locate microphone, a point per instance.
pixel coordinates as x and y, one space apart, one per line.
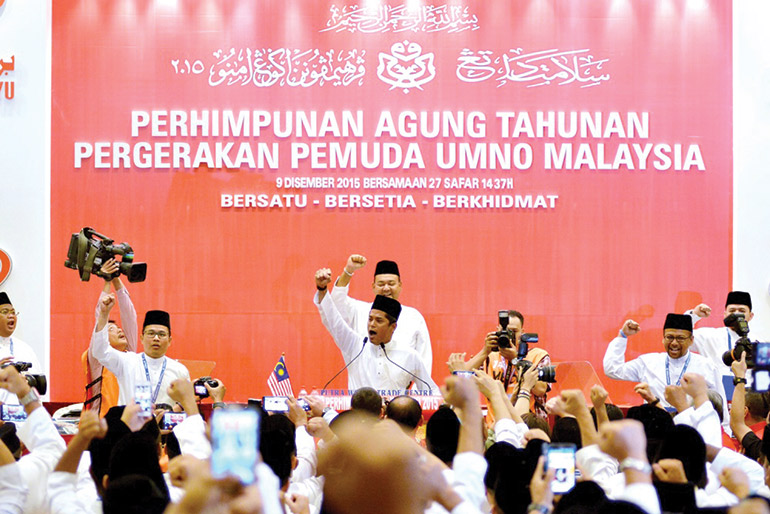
366 339
382 345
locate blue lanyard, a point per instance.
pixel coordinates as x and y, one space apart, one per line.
160 378
729 343
11 340
686 363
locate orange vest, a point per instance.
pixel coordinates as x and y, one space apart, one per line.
109 386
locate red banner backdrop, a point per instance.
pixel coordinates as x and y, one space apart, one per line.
568 159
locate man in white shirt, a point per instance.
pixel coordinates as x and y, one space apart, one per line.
661 369
13 349
373 361
412 330
713 342
152 367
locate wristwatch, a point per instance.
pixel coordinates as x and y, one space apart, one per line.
30 397
635 464
739 380
539 508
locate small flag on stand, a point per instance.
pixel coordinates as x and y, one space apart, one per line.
279 382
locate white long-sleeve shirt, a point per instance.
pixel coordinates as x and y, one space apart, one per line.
46 447
411 330
13 491
705 420
129 369
372 368
659 370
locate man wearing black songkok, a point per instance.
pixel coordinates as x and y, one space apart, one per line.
151 367
373 360
665 368
712 342
412 331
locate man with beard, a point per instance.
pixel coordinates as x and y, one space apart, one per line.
665 368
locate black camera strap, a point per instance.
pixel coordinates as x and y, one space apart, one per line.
508 373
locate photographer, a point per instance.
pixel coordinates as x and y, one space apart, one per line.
712 342
13 349
101 385
500 363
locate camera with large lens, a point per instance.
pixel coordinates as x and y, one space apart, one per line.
544 374
199 386
89 250
737 322
39 382
505 335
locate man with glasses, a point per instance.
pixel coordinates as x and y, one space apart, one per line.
13 349
152 366
661 369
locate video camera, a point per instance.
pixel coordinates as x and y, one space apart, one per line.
39 382
757 354
89 250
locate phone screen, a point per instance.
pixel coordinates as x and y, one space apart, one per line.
275 403
143 396
13 413
172 419
460 373
303 403
762 355
234 438
561 458
760 380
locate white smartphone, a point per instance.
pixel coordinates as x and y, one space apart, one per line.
235 443
143 396
275 403
561 458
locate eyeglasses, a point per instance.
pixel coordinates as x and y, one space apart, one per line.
9 312
152 334
678 339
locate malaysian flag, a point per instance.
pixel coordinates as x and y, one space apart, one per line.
279 382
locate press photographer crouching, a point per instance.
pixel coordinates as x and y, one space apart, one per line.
507 355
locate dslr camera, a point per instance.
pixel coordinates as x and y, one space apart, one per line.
546 373
89 250
505 335
757 354
39 382
199 386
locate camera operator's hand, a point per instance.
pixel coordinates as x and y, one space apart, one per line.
630 327
530 378
355 263
739 367
109 267
217 394
296 414
12 381
181 390
702 311
490 343
676 396
456 362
